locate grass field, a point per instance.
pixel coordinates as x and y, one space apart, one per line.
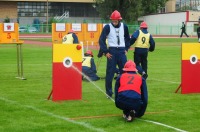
25 108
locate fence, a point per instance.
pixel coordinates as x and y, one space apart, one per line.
153 29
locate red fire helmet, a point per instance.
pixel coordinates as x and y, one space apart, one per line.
115 16
89 52
129 66
143 25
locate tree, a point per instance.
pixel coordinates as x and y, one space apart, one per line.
6 20
152 6
130 9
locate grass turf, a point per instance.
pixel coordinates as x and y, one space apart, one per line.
24 106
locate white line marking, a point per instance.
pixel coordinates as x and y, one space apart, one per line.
164 81
156 80
157 123
54 115
92 128
100 89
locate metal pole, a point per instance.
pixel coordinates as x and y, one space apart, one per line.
47 28
18 69
21 59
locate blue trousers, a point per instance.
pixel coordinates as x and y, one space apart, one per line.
130 100
141 59
90 73
118 59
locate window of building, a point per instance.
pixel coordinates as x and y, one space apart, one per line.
33 9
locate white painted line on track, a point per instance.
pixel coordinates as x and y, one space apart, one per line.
154 79
157 123
92 82
89 126
164 81
80 123
160 124
86 125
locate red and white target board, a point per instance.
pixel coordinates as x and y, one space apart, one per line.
9 33
190 68
67 68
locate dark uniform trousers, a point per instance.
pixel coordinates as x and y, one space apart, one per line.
118 58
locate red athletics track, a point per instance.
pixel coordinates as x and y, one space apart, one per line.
31 39
49 36
40 36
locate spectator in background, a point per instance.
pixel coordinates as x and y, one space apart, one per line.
198 31
183 30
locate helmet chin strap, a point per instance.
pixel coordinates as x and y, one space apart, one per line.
118 25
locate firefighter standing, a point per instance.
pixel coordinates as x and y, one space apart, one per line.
131 94
70 38
143 42
89 67
118 38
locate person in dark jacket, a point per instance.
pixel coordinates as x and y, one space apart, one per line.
118 38
183 30
70 38
89 67
198 31
143 43
131 93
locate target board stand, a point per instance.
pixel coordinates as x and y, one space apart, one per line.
9 35
67 69
190 68
67 66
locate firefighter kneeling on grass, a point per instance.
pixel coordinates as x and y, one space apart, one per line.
131 92
89 67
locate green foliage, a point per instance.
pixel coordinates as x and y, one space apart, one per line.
129 9
52 20
152 6
6 20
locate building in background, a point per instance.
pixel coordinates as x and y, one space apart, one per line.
170 6
183 5
180 5
170 23
25 11
168 20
